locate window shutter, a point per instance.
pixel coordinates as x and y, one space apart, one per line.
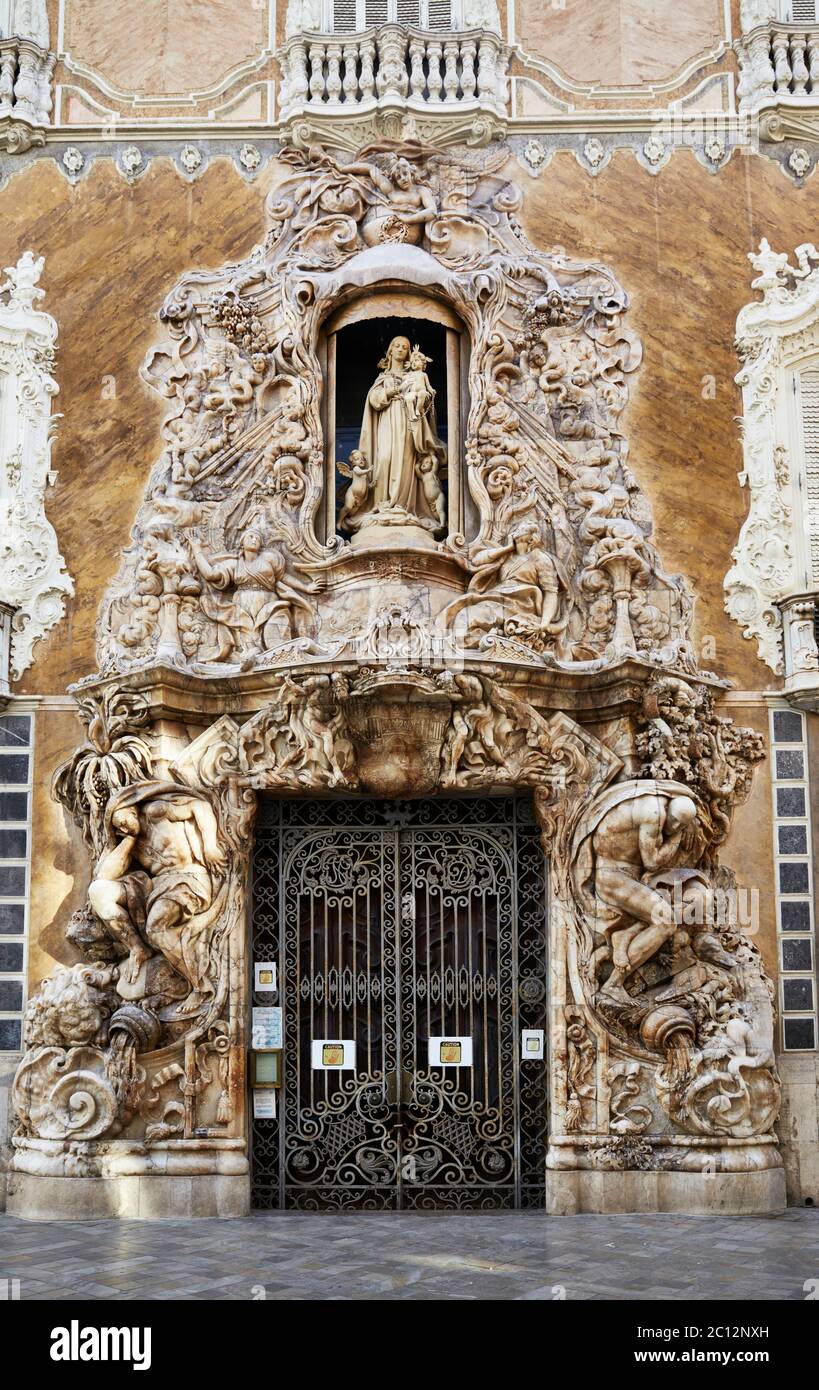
344 17
408 12
809 401
440 14
802 11
375 12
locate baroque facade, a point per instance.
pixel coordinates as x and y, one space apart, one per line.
371 664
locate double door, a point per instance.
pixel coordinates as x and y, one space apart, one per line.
411 950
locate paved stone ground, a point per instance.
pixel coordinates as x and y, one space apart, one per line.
512 1255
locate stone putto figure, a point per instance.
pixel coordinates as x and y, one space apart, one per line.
400 448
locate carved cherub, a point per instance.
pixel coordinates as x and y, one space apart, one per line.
359 470
418 391
427 470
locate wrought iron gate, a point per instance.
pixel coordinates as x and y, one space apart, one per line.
394 923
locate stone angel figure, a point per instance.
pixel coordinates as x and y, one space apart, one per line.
257 613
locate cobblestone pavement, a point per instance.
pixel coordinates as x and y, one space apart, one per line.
512 1255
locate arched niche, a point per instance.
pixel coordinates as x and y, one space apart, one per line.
373 317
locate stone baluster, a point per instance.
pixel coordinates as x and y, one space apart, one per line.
26 87
333 81
813 61
367 78
798 65
434 53
45 88
316 72
8 69
502 81
782 68
487 71
417 79
469 79
392 76
756 82
451 82
350 81
296 87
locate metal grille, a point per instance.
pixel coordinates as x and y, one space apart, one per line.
393 923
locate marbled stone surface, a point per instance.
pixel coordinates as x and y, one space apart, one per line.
506 1256
624 41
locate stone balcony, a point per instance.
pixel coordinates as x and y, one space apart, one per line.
800 623
25 93
779 78
396 81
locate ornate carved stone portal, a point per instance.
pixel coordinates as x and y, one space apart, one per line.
247 647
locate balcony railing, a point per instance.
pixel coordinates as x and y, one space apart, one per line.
800 621
778 61
354 74
25 83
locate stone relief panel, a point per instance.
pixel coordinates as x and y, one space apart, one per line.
229 566
33 578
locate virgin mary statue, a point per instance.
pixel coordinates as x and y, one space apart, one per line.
396 470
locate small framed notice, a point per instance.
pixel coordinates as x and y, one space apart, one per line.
532 1044
333 1054
265 979
266 1028
450 1052
264 1105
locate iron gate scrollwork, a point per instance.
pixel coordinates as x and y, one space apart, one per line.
393 923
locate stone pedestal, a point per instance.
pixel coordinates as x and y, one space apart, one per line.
572 1191
132 1197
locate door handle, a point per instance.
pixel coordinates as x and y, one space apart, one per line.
398 1086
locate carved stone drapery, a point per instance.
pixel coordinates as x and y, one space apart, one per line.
33 579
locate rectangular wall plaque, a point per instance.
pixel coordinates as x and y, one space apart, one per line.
264 1105
266 1028
532 1045
450 1052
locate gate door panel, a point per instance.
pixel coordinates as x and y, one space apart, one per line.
416 933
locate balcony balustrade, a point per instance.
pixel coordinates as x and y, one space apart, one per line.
357 74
